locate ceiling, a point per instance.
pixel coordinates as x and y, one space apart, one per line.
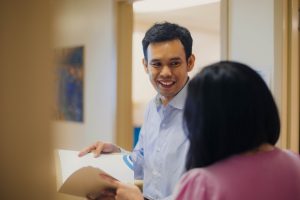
204 17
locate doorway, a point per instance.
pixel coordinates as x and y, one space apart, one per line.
203 21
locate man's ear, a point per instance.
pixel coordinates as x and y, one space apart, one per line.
191 63
145 65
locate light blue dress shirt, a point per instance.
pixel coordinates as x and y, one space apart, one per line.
160 154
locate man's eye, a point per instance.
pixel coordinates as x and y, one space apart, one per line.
175 64
155 64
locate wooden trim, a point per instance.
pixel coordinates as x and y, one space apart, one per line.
286 73
124 128
224 29
280 66
294 76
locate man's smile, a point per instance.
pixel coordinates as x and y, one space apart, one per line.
166 84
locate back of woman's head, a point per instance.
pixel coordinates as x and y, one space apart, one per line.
229 110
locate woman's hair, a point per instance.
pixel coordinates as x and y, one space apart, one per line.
229 110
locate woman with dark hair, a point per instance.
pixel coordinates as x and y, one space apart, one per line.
233 124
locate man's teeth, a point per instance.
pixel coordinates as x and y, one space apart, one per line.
166 83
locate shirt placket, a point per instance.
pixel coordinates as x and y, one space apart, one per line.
161 142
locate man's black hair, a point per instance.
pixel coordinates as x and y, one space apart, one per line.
161 32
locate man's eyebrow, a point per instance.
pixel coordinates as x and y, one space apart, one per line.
175 59
159 60
155 60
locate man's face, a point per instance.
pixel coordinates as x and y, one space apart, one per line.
167 67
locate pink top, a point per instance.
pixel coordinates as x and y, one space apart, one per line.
272 175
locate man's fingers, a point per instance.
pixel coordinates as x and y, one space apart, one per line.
86 150
98 149
106 194
110 180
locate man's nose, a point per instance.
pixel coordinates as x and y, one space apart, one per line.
165 71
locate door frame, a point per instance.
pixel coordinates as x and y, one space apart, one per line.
286 65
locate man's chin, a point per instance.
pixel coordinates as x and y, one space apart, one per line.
166 97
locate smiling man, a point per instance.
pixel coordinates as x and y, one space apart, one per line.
167 67
159 156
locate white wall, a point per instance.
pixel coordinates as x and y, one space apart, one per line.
91 24
251 38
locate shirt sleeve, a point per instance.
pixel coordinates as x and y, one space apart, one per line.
192 185
137 157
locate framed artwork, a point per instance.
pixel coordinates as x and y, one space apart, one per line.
69 81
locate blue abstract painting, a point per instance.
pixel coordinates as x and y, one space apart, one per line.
70 79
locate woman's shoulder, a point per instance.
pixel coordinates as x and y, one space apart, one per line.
198 183
291 158
192 185
198 178
291 154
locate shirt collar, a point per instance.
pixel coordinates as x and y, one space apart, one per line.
178 101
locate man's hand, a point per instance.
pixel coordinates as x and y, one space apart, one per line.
124 191
98 148
107 194
128 192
